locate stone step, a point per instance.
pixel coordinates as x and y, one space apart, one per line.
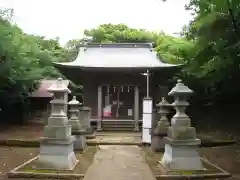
118 122
117 125
118 129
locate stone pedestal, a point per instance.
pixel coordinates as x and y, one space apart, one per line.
84 115
56 154
181 144
181 155
77 128
56 147
161 128
80 143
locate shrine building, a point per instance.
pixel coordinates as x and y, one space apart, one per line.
114 79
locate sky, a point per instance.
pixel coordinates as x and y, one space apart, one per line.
67 19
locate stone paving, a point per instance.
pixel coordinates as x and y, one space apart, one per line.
119 163
117 138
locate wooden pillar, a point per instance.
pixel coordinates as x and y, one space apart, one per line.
136 108
99 121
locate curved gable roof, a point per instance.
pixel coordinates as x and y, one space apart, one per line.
117 55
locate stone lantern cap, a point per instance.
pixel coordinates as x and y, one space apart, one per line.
180 88
74 101
163 103
59 86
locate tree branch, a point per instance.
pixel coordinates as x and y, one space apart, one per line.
230 11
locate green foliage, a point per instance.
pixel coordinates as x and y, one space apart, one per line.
119 33
24 60
173 49
214 61
170 49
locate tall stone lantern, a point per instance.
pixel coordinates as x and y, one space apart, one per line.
56 147
75 122
73 114
181 144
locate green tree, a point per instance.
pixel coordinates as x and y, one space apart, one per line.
24 60
119 33
212 61
215 61
170 49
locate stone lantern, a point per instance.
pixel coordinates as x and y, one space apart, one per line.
162 126
181 144
73 114
76 125
56 147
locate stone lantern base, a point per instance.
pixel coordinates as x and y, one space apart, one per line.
57 154
80 134
181 155
80 143
157 144
159 133
75 124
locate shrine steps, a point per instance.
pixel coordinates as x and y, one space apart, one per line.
117 125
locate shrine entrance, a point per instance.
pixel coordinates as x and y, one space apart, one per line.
118 101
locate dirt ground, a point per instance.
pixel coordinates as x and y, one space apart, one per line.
29 131
11 157
224 157
227 158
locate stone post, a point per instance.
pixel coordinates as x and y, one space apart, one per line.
181 144
56 147
84 115
75 123
162 126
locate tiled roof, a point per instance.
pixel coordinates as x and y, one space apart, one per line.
43 86
117 55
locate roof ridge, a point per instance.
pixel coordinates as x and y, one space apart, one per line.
117 45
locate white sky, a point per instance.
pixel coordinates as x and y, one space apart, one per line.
68 18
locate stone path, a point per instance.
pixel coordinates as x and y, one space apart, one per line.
119 163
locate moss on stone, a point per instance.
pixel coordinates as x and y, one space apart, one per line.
85 160
39 170
153 158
